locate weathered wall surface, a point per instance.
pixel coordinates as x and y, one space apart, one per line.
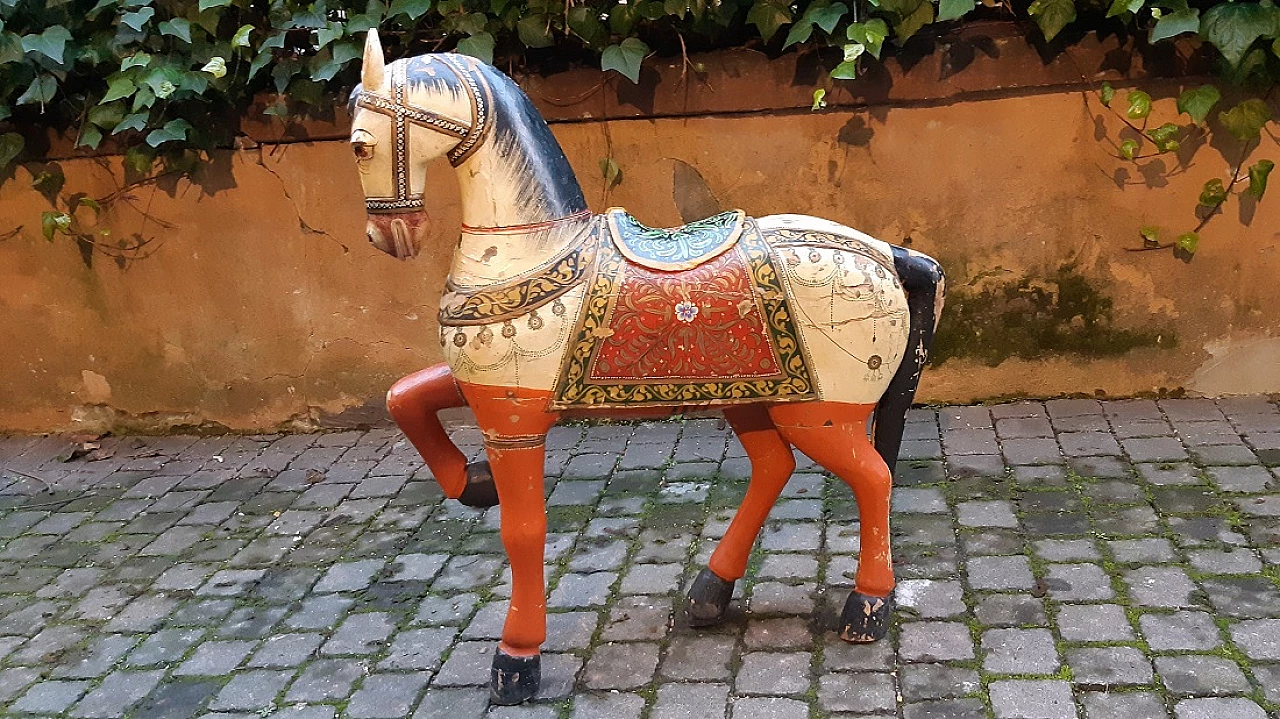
261 305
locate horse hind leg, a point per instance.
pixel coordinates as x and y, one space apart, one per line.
771 466
835 436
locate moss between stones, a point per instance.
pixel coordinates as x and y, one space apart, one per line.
1034 318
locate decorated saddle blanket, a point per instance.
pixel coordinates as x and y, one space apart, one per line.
691 316
677 248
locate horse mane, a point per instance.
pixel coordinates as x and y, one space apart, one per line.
519 134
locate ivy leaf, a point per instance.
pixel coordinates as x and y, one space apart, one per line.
241 38
585 22
412 9
956 9
11 143
1120 7
819 100
102 5
139 159
265 57
216 67
479 46
827 17
177 27
345 52
138 18
327 34
51 43
41 91
1176 23
1128 149
90 136
611 172
1150 236
51 222
535 31
1188 242
119 88
1213 193
173 130
10 48
1258 173
1139 105
1198 102
871 34
138 59
1052 16
625 58
1107 94
207 4
136 121
909 25
799 32
847 70
1245 121
1233 26
49 183
767 16
1164 135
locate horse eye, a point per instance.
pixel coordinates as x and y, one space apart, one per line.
363 151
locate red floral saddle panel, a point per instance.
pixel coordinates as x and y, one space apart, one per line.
719 333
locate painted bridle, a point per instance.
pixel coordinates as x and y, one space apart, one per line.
470 135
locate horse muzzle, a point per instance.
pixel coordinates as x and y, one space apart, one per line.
399 234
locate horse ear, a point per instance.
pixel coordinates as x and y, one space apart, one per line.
374 73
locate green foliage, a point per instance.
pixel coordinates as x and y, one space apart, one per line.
159 79
1052 15
1245 120
625 58
1139 105
1233 27
1198 102
1258 173
1213 194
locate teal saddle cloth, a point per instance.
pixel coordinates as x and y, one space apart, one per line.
676 248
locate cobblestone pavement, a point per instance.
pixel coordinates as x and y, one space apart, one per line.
1116 560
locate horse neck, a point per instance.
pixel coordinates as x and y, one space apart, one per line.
519 177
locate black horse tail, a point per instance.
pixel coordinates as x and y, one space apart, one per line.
925 286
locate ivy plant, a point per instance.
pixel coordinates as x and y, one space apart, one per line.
165 81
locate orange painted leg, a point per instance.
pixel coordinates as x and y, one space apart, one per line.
771 466
835 436
515 425
413 403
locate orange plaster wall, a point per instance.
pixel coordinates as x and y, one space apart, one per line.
263 306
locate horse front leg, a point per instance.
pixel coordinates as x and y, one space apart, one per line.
413 403
515 429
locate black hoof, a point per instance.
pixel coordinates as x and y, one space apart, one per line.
480 491
865 619
514 679
708 599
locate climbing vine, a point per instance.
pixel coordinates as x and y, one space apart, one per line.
165 81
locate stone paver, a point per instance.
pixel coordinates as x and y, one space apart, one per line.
1131 546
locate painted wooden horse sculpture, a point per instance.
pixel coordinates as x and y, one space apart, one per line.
797 327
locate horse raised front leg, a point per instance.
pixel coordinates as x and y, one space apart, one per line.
771 466
515 428
413 403
835 436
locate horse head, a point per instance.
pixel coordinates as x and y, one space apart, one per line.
403 118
